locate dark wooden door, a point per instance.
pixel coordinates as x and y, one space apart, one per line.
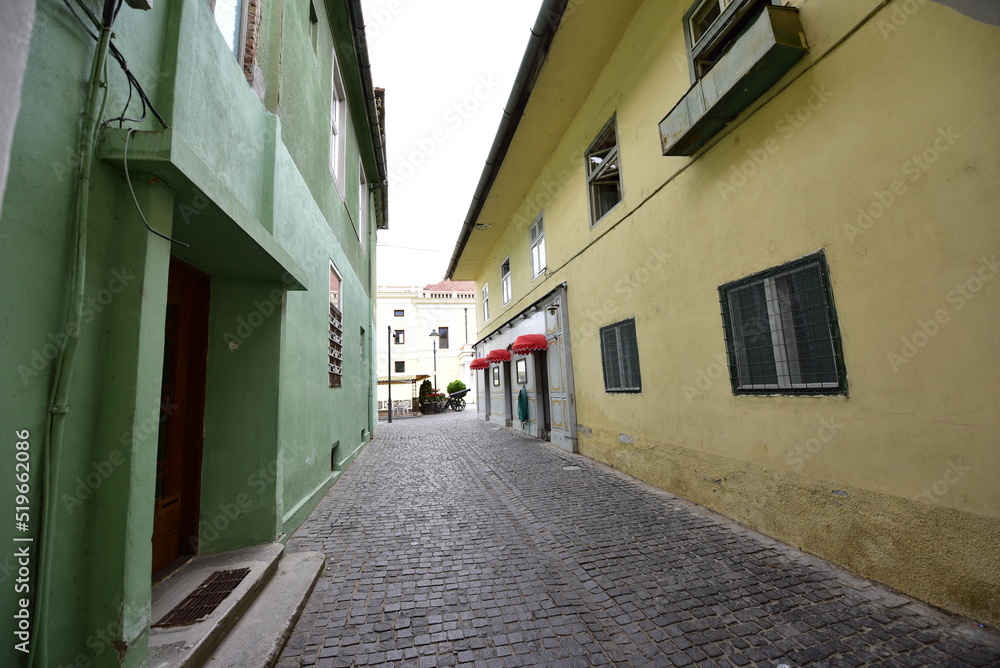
182 411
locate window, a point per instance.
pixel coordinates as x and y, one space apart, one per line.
399 337
711 26
231 17
313 26
505 281
486 302
400 367
620 357
781 331
398 313
336 335
362 206
338 126
603 173
442 337
536 247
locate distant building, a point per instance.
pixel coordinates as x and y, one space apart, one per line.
188 311
748 251
406 316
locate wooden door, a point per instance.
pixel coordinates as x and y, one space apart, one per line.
182 410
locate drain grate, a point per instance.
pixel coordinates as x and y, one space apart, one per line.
205 598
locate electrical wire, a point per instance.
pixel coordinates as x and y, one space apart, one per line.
128 180
120 58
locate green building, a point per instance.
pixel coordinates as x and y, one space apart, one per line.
187 250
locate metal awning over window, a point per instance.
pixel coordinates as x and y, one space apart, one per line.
497 356
529 343
479 363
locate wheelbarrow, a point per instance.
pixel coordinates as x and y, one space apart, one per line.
456 400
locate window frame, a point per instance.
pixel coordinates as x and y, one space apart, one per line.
536 240
399 337
240 32
734 16
506 291
594 174
399 366
781 325
335 343
338 126
443 342
622 386
486 302
398 313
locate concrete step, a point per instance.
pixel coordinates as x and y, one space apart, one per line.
260 635
189 646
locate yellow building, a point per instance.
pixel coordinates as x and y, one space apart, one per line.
760 242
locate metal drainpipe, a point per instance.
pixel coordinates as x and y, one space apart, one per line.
59 395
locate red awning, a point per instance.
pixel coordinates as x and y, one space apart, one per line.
529 343
479 363
497 356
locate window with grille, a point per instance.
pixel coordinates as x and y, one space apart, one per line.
620 357
604 173
505 281
336 352
536 246
442 337
782 334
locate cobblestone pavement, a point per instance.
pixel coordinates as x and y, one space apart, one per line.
454 542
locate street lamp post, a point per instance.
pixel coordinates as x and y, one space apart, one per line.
434 334
390 374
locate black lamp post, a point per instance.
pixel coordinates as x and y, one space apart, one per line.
390 373
434 334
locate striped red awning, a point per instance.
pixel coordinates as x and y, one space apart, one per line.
529 343
479 363
497 356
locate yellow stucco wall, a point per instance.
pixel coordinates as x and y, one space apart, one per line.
899 119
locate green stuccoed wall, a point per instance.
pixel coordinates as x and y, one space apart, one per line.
271 421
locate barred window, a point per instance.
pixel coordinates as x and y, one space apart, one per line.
620 357
782 333
335 355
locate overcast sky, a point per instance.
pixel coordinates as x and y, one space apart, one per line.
447 67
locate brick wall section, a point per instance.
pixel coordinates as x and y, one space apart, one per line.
253 37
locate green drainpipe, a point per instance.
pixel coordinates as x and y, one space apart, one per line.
59 395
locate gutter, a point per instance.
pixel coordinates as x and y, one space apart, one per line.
542 34
371 111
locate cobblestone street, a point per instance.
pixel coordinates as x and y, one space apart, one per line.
453 542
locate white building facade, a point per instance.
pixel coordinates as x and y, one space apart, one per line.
405 317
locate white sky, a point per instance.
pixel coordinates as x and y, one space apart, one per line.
447 67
